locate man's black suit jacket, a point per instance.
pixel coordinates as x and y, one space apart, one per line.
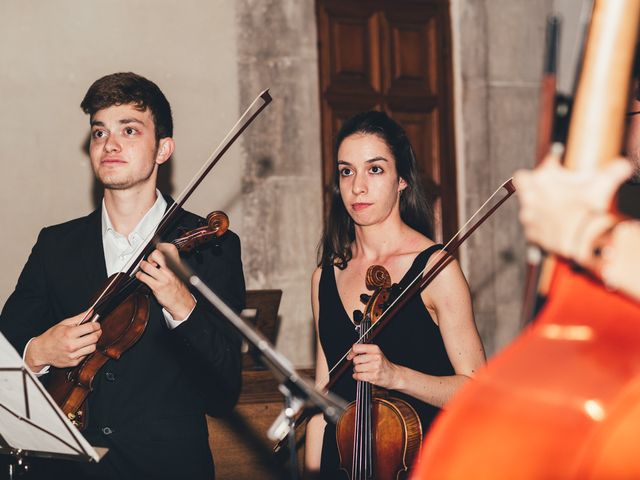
149 406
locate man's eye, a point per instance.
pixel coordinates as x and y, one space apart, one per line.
98 134
344 172
130 131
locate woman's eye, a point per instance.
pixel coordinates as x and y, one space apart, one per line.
376 169
345 172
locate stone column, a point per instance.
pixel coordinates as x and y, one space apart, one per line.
282 196
499 49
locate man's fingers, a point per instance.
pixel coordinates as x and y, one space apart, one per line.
86 329
168 249
83 352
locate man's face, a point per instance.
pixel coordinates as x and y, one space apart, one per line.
123 149
632 145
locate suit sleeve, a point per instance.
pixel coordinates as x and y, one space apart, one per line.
208 337
28 312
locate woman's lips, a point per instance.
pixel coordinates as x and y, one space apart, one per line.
360 206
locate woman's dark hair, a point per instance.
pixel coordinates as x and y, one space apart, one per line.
126 88
339 231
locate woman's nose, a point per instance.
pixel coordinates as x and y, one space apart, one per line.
359 184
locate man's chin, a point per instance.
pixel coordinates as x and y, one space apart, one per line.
112 184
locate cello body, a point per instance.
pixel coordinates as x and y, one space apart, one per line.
548 404
562 400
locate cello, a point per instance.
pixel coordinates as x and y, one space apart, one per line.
562 400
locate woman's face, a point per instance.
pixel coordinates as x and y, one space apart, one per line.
369 183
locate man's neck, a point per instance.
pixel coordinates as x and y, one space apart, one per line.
127 207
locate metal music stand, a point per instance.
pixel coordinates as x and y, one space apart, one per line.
298 391
31 424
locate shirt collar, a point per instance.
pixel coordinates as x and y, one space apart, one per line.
146 226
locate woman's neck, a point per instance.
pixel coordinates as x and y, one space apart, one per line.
375 242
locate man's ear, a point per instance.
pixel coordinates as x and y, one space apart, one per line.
165 149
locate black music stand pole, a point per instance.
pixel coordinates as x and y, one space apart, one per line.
298 392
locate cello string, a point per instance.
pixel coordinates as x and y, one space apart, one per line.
419 276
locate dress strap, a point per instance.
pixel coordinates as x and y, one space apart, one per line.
419 263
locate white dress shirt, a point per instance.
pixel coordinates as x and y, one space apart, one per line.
118 249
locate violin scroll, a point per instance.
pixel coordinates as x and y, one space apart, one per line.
377 277
217 225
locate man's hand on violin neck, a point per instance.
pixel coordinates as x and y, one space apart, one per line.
63 345
171 293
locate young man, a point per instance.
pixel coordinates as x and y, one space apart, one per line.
149 406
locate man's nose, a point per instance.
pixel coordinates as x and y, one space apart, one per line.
112 144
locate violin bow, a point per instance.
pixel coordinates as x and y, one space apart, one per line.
419 283
127 280
425 277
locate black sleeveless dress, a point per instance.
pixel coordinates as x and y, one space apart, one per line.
411 339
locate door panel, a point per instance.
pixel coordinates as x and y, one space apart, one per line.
393 56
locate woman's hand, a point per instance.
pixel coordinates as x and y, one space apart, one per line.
371 365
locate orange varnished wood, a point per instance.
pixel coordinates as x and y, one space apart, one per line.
70 387
562 400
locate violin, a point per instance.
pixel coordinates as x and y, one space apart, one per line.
378 435
122 327
562 400
217 225
122 306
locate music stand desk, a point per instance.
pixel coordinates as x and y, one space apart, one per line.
31 424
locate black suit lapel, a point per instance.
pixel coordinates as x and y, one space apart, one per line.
92 253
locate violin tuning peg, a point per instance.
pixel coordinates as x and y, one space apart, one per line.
364 298
357 316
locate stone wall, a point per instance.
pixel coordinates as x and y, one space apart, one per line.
212 58
498 66
281 186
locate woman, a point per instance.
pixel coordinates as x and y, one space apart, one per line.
379 216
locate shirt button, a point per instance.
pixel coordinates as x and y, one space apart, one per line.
110 376
107 431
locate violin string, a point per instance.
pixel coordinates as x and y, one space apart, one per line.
367 440
367 417
355 457
421 273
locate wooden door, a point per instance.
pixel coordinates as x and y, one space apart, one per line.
393 55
